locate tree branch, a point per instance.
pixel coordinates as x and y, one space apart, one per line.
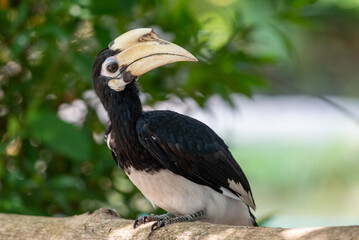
107 224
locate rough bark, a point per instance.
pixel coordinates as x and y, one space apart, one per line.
107 224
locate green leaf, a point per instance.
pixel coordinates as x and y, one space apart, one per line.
61 137
14 126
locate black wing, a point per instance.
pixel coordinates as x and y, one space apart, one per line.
191 149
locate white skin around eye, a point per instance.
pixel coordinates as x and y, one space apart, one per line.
105 72
116 82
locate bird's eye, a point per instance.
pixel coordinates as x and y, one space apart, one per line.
112 67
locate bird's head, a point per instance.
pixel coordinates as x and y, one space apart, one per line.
131 55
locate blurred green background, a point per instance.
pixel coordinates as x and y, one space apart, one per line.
53 160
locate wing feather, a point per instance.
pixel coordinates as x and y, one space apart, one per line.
191 149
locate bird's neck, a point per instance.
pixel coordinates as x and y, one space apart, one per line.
124 108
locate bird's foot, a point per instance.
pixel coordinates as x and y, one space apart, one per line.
149 218
185 218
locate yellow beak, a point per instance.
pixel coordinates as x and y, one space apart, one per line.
141 50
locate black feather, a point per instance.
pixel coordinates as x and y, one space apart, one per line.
189 148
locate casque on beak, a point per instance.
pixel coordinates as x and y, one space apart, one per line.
140 51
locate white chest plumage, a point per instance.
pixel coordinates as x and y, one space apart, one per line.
180 196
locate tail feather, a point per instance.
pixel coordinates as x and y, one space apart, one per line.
255 224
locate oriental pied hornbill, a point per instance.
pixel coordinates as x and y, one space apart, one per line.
177 162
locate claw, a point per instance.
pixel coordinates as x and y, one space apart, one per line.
135 223
158 224
139 221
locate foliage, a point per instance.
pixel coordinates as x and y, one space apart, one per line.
52 167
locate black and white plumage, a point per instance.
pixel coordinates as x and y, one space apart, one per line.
177 162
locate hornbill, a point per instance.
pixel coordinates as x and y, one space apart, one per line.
177 162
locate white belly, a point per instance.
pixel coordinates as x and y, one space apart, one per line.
179 196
